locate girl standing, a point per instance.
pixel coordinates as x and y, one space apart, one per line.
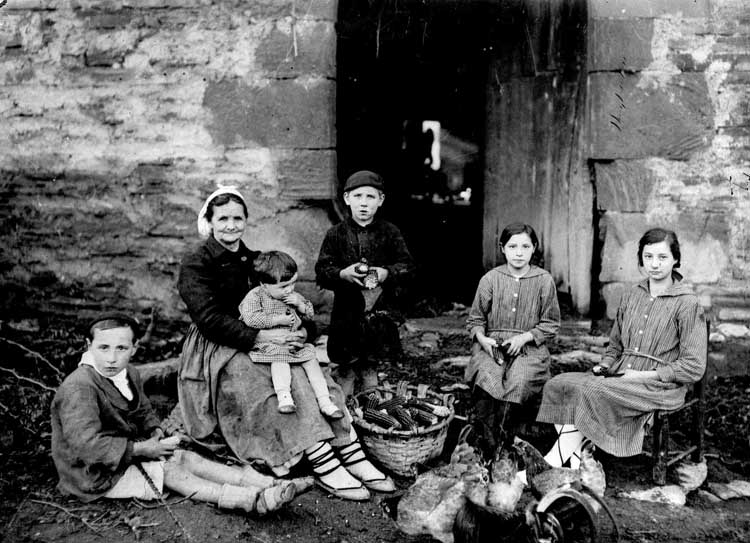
657 346
515 311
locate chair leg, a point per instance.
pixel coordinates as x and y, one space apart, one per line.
660 448
699 409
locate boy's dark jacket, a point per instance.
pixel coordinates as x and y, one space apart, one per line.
346 243
93 429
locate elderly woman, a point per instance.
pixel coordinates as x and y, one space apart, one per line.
222 390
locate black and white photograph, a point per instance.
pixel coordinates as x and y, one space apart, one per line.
372 271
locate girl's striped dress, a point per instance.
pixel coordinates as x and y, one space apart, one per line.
505 306
666 333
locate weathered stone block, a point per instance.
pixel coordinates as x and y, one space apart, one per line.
274 9
298 232
633 117
297 50
734 314
623 185
307 175
284 113
625 9
620 44
704 258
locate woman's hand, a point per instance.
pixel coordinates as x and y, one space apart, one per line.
153 448
516 343
487 343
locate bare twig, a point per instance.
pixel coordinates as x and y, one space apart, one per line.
28 379
142 505
15 515
34 354
71 514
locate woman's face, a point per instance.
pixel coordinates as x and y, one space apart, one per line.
658 260
518 252
228 223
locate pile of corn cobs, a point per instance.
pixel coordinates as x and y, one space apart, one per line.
400 412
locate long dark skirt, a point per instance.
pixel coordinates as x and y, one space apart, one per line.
221 389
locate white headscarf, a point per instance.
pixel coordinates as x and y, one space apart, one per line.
204 227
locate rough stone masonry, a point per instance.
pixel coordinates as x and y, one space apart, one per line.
117 118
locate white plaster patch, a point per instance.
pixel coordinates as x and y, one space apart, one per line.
716 73
661 69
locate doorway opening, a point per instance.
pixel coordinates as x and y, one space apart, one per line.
472 112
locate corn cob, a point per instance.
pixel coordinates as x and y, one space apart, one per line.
381 418
404 418
371 401
396 401
439 410
423 417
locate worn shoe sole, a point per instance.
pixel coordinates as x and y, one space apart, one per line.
357 493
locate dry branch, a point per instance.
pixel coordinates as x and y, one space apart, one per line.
71 514
34 354
28 379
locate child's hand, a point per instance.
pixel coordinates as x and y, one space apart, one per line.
283 320
153 448
295 300
382 273
516 343
486 342
351 275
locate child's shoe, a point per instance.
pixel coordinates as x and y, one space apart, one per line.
286 402
329 409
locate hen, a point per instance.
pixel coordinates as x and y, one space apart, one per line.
504 489
430 505
544 478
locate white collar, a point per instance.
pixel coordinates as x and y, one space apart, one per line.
120 380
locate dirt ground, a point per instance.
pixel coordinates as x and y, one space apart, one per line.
32 510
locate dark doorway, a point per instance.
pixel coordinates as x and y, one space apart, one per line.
503 85
401 63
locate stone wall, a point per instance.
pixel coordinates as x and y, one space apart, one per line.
118 117
669 141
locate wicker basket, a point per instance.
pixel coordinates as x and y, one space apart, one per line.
399 451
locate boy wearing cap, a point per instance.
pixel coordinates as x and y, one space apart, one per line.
106 439
365 262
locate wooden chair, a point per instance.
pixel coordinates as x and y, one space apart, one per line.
661 455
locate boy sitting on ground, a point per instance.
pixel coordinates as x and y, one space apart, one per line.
106 439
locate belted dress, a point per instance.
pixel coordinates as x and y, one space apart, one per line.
665 333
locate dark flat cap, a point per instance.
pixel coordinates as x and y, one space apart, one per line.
120 318
364 178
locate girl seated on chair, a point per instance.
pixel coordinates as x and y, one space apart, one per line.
515 310
657 346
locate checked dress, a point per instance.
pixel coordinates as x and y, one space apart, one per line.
257 309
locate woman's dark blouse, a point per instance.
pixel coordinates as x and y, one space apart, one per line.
213 281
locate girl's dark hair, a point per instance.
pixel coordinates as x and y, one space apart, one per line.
274 267
521 228
657 235
223 199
